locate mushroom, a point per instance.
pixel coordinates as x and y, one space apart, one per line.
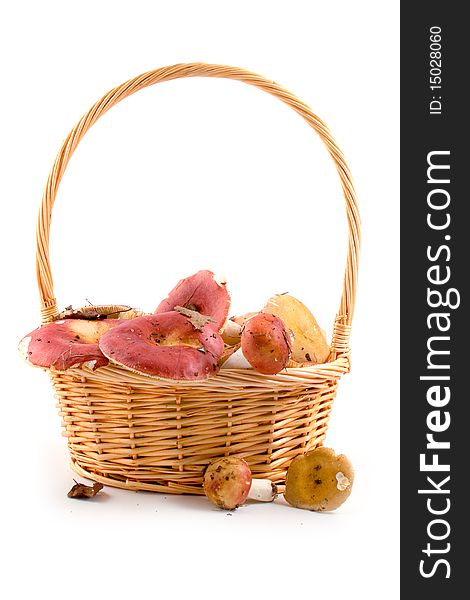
228 483
201 292
101 311
309 345
266 343
166 346
231 333
66 343
319 480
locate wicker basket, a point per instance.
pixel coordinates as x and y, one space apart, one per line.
135 432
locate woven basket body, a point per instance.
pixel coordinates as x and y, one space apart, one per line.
136 432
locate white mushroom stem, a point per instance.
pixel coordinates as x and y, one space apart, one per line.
232 329
237 361
231 332
263 490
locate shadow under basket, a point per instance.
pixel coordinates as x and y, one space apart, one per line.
136 432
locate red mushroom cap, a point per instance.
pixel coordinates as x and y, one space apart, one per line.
200 292
166 346
65 344
227 482
266 343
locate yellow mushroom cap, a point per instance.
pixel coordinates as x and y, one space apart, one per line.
309 344
319 480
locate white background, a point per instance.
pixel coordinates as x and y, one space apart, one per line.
187 175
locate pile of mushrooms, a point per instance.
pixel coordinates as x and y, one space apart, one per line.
188 337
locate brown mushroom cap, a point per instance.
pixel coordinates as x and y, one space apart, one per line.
200 292
101 311
319 480
166 346
66 343
266 343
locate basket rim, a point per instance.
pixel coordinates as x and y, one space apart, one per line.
230 377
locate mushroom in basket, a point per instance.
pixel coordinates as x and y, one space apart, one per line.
169 345
66 343
202 293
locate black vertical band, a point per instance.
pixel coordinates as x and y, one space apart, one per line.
435 329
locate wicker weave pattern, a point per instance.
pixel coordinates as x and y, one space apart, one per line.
135 432
132 431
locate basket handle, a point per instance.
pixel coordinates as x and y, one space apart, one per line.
49 311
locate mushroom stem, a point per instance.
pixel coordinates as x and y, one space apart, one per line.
231 332
263 490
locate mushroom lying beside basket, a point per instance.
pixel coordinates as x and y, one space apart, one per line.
228 483
319 480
